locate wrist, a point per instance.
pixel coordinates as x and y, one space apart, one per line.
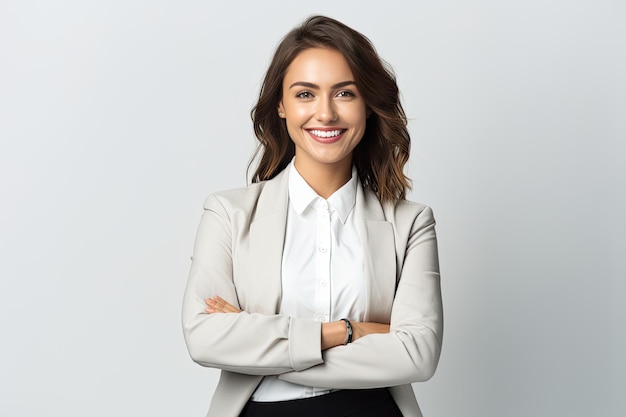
349 332
333 334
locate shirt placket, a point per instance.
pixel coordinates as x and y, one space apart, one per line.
322 262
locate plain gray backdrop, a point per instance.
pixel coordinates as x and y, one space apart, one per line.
117 118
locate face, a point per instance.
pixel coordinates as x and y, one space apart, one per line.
324 112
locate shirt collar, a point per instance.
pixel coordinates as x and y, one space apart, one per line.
301 195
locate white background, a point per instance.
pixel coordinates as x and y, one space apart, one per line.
117 118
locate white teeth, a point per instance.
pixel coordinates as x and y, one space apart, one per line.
326 133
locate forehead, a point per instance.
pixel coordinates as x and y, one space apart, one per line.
321 66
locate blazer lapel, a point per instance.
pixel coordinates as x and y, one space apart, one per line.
380 256
267 237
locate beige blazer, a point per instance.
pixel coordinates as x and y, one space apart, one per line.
238 256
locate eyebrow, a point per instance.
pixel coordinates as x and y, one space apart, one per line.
317 87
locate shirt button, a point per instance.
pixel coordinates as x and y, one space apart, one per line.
321 319
323 283
323 249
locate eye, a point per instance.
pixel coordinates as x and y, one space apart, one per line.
346 93
304 94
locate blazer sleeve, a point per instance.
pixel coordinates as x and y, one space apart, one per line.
410 352
255 344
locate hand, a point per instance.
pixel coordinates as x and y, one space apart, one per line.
218 305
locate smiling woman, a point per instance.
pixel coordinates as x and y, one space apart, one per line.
316 289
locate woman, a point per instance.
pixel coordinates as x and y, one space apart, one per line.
316 289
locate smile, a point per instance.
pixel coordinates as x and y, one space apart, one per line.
326 136
326 133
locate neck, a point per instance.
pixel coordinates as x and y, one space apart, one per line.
325 179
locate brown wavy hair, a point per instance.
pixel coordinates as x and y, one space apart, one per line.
384 149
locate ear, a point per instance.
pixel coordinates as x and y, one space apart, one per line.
281 110
368 113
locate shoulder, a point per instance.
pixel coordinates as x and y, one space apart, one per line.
407 211
408 218
413 209
412 223
263 196
235 198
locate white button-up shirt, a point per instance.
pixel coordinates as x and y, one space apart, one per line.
323 273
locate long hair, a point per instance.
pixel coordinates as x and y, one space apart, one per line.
384 149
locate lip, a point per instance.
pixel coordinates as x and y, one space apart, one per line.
326 140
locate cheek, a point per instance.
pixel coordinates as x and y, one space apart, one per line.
361 121
300 112
297 116
356 116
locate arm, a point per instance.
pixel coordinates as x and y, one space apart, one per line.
410 351
333 333
247 343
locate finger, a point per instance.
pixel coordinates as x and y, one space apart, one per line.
215 302
220 300
219 306
214 307
221 303
231 309
226 306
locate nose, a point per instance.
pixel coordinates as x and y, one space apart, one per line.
325 111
